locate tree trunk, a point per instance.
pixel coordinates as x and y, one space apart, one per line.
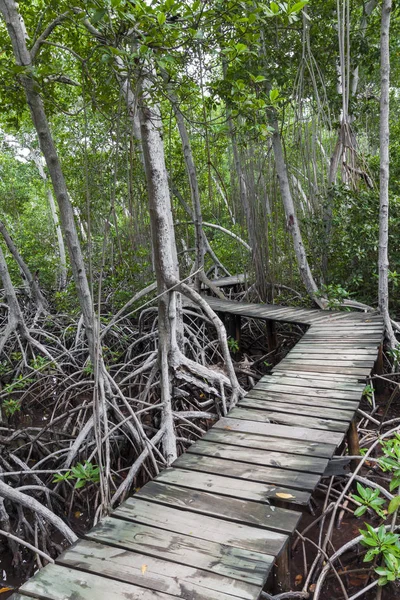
291 218
14 311
16 31
62 277
35 291
193 184
383 263
165 258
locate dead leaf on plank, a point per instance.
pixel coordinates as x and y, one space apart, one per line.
285 496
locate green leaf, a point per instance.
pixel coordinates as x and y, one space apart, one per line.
298 7
394 505
274 7
98 15
360 511
273 95
161 18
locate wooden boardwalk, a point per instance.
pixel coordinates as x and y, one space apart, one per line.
212 526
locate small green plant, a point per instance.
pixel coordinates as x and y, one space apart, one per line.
40 362
18 384
386 544
368 498
390 462
383 545
88 368
335 294
11 407
394 354
81 474
233 345
368 393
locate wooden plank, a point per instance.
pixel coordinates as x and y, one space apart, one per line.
204 475
312 353
331 378
278 398
56 582
176 548
264 442
212 529
288 419
304 380
282 460
364 372
294 433
328 361
160 575
310 382
305 409
230 509
275 476
309 391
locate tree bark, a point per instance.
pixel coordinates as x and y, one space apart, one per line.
383 260
291 217
193 184
35 291
16 31
165 258
62 278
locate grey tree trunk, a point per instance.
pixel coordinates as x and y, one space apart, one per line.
193 184
16 31
291 217
35 291
62 276
383 261
165 258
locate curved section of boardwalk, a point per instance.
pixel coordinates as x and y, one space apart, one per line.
211 527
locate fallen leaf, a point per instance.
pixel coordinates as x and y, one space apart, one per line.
284 496
144 569
3 590
312 588
298 579
227 427
77 514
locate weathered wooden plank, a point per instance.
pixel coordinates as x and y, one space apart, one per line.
270 416
235 470
330 378
309 391
117 563
285 431
230 509
304 384
363 372
304 380
313 353
177 548
283 460
312 411
264 442
56 582
328 361
203 475
224 532
279 397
